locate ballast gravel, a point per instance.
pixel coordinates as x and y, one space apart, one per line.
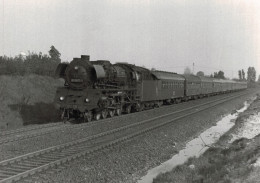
131 160
61 136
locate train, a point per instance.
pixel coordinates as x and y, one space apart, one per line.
96 90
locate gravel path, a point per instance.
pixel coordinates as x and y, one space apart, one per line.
129 161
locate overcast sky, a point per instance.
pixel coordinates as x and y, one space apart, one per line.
164 34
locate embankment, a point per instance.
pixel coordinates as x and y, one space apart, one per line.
27 100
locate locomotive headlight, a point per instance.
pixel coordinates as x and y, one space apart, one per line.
87 100
61 98
76 67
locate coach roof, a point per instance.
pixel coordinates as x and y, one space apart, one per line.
167 75
222 81
206 79
192 78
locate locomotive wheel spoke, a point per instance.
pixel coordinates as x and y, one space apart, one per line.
118 111
87 117
139 107
112 112
157 104
104 114
142 107
97 116
65 117
128 109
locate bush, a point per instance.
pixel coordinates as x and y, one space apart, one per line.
32 64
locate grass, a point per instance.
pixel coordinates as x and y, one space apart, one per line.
23 92
218 164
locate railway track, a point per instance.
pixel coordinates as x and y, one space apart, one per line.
27 129
23 134
22 166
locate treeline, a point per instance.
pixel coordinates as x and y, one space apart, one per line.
31 63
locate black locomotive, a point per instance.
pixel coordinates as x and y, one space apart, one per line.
98 89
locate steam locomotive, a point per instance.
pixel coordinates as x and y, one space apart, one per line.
99 89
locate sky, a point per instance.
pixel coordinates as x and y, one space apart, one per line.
167 35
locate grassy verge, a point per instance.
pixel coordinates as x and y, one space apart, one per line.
222 162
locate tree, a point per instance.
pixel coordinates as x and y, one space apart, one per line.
251 75
54 54
258 79
219 74
240 75
215 75
187 71
243 75
200 73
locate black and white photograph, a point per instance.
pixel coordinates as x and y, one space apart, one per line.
129 91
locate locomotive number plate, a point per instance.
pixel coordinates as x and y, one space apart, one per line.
76 80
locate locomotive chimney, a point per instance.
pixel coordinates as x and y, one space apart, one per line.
85 57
